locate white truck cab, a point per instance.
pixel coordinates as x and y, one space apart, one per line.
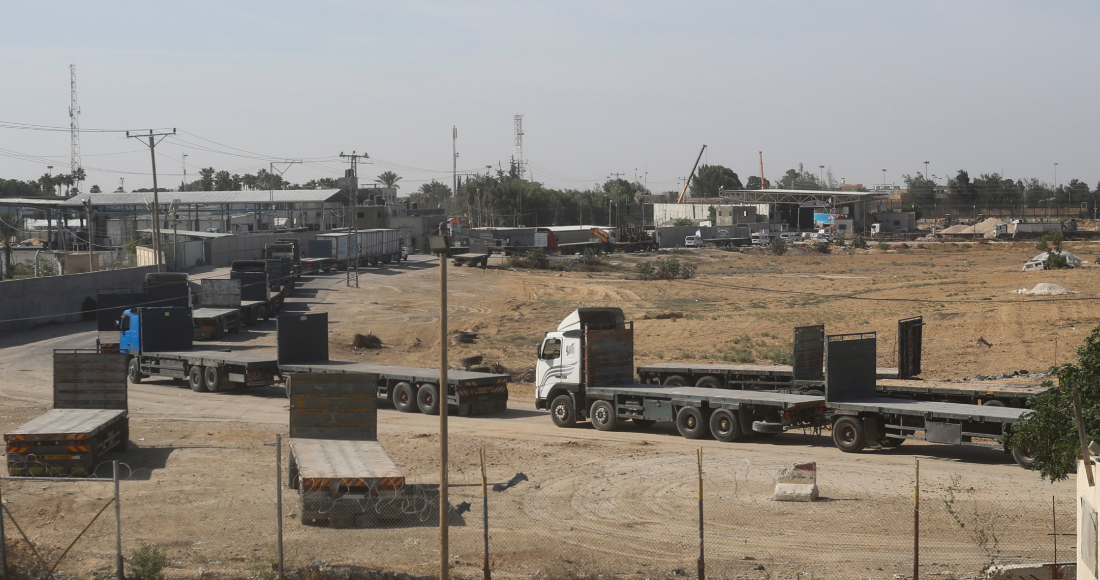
560 366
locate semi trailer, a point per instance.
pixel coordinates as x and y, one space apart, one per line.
88 419
303 348
219 310
318 256
584 371
157 342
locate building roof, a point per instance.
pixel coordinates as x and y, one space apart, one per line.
209 197
30 201
190 233
799 196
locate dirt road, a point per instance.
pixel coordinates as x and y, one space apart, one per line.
612 501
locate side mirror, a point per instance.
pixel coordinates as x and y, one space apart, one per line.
118 325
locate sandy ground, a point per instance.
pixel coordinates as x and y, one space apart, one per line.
201 469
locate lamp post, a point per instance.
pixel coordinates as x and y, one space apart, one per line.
883 179
1055 181
821 173
926 171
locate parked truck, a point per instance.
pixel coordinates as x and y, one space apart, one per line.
168 289
343 475
219 309
157 342
477 254
379 246
585 371
88 419
303 348
318 256
257 298
286 249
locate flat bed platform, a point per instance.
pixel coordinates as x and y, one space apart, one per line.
388 372
931 409
63 423
353 463
697 394
973 389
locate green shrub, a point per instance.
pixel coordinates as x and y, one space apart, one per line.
860 243
147 563
536 259
1056 261
883 246
1051 241
646 270
777 247
591 257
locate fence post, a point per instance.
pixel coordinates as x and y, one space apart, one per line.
485 512
916 522
702 561
118 526
3 542
279 500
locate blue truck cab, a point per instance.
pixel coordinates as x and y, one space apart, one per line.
150 330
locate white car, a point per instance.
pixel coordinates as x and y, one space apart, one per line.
404 254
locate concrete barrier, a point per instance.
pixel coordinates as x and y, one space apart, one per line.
34 302
797 483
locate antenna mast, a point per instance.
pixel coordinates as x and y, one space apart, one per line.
518 155
74 123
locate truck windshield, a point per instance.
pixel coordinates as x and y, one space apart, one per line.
551 349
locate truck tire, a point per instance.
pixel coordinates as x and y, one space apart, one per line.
691 423
427 398
1023 458
403 398
676 381
848 435
708 382
213 379
562 411
725 426
602 415
993 403
643 423
133 370
194 379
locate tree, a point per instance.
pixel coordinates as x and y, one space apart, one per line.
921 191
754 183
48 184
432 194
711 179
9 228
223 181
95 189
79 175
712 215
800 179
1049 432
388 179
206 179
17 188
916 209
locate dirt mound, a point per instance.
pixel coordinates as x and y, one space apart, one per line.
1045 289
663 316
366 341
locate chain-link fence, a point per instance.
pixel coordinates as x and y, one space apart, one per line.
634 516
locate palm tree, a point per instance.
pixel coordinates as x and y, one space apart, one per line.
47 182
8 230
389 179
67 180
79 175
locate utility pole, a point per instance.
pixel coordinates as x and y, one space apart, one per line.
271 190
184 182
454 168
153 141
353 186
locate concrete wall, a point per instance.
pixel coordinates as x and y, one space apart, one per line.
1086 522
59 299
664 213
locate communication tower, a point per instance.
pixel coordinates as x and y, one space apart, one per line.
517 157
74 123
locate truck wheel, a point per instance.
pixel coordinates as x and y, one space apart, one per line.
690 423
213 379
1023 458
562 411
708 383
643 423
427 398
603 416
676 381
725 426
134 371
194 378
993 403
403 398
848 434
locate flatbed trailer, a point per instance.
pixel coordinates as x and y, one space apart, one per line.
89 418
157 343
303 348
986 393
213 323
859 416
344 477
737 376
726 414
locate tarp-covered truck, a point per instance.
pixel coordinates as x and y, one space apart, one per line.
89 418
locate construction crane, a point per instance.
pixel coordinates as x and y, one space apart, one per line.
690 175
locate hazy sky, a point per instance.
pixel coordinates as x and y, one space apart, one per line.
1007 87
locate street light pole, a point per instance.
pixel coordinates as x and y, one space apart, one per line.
883 179
926 171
